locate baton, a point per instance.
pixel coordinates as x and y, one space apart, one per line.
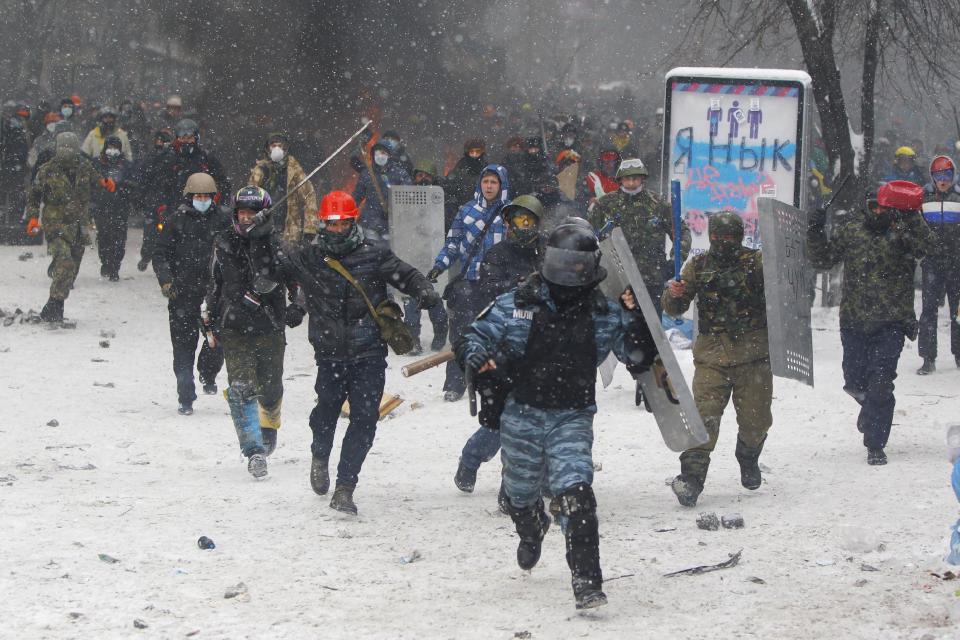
471 390
839 188
263 215
677 227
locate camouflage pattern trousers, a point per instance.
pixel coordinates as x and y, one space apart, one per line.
559 441
751 385
64 266
257 360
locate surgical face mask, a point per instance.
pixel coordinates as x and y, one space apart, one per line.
202 205
112 152
66 112
631 192
276 154
391 144
568 141
52 127
380 158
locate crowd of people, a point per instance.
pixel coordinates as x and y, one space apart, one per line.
522 309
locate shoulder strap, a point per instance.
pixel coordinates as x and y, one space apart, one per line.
335 264
475 247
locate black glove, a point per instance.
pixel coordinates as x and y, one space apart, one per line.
476 360
429 299
817 218
294 315
432 275
640 346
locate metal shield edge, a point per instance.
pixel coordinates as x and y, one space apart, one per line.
681 426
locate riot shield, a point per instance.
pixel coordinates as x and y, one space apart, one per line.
416 224
786 277
664 386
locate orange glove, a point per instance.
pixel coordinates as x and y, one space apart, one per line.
33 227
109 185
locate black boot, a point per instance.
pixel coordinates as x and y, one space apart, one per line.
466 478
319 476
876 457
52 311
579 505
927 368
342 500
269 440
417 349
749 457
532 525
693 474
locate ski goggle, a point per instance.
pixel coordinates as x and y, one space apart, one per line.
523 220
942 176
632 163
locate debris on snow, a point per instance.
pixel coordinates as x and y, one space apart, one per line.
732 521
708 521
23 257
756 580
105 385
104 333
139 624
105 344
205 543
53 423
238 591
707 568
108 559
410 558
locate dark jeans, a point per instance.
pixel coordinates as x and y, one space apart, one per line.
111 240
361 382
869 369
184 331
463 305
411 316
937 281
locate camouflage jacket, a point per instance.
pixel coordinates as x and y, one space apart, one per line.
877 270
63 186
300 214
645 220
729 293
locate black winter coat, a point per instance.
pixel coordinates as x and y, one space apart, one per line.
173 169
341 327
184 249
232 297
505 265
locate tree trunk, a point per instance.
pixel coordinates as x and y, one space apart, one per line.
871 59
818 54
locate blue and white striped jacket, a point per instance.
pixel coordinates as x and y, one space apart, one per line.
470 222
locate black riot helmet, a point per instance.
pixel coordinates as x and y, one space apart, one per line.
572 257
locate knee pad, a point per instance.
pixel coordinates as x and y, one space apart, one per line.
578 500
241 391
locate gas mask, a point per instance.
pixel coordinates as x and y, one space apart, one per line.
112 153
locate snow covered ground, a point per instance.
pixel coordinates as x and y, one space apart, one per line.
831 548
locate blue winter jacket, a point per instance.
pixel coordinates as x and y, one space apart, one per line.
503 329
372 215
470 222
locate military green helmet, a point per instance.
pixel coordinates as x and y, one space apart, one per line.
528 202
426 166
726 223
632 167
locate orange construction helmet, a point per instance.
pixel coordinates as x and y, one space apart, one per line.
338 205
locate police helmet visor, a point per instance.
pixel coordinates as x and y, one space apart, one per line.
569 268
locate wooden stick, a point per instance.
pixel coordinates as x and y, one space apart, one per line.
429 362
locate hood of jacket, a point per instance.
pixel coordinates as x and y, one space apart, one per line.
504 197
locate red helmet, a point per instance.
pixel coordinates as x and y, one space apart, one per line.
338 205
900 194
942 163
